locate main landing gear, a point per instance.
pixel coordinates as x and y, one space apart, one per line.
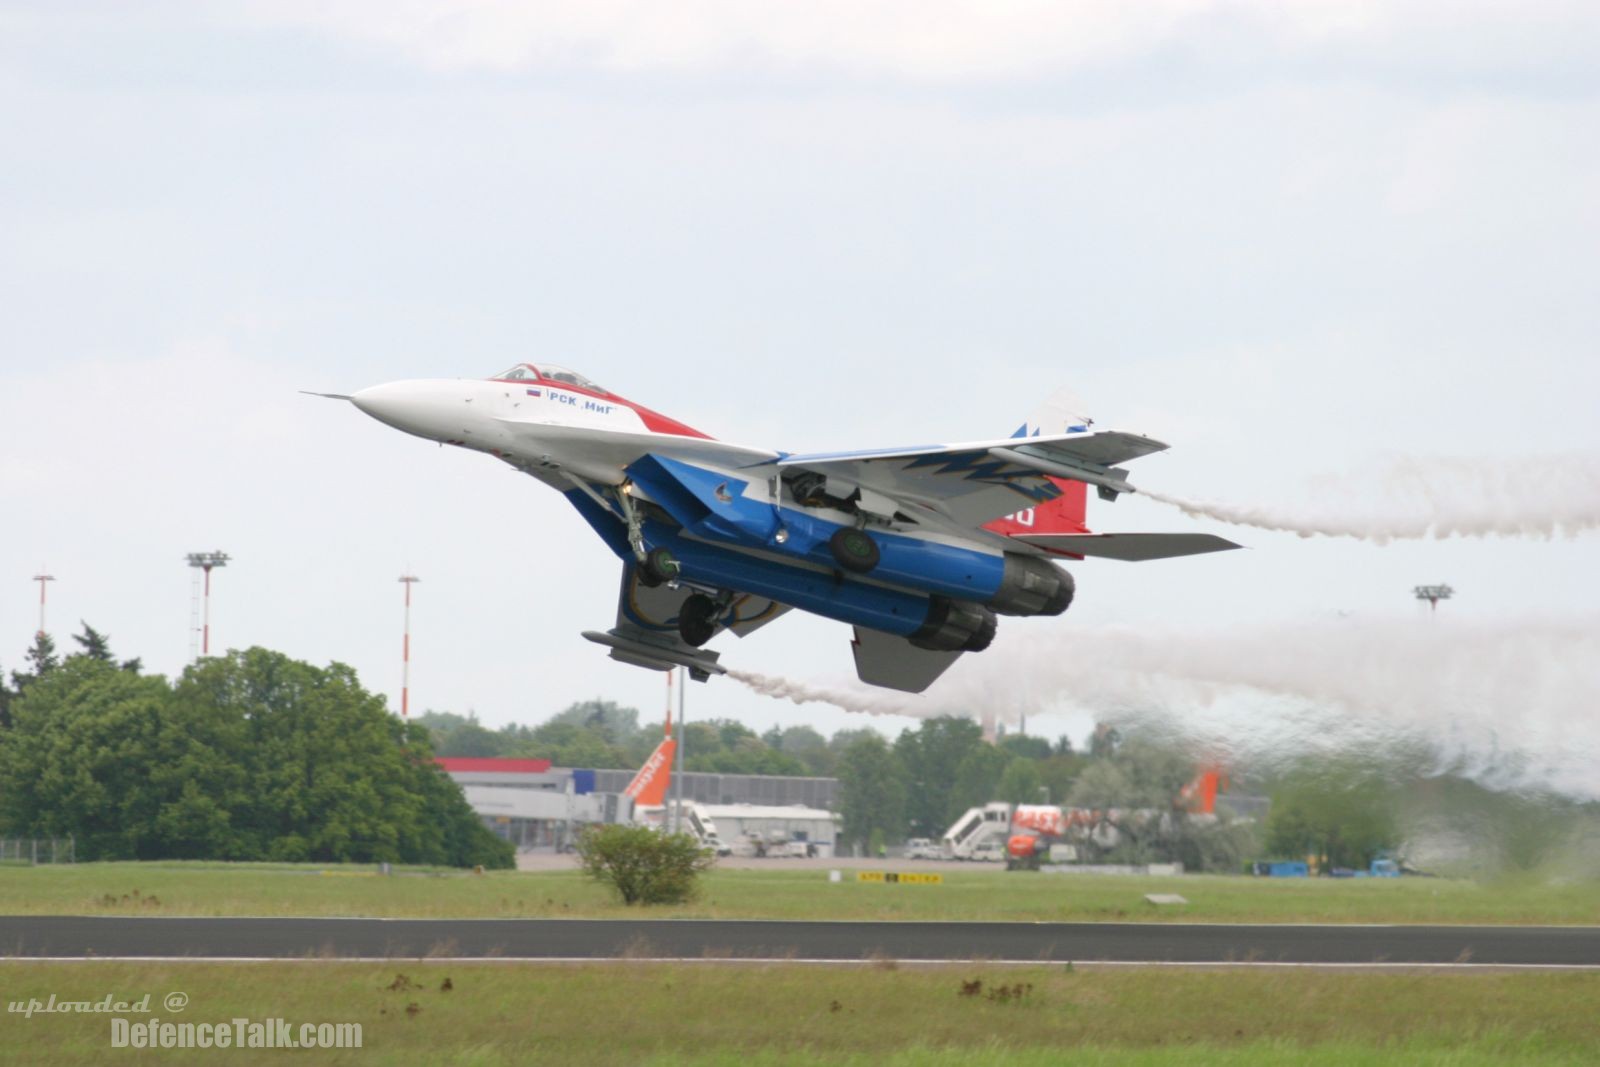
697 619
854 549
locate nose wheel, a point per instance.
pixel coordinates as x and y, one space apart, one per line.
659 567
697 620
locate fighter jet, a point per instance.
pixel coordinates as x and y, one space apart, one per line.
917 548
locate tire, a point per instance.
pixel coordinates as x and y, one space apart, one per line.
695 623
854 550
659 567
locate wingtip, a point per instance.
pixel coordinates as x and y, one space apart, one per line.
330 396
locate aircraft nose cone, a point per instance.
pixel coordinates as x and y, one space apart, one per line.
417 407
386 403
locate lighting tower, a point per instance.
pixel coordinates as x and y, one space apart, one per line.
203 561
42 579
1433 594
408 580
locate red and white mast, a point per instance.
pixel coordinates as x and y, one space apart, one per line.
42 579
408 580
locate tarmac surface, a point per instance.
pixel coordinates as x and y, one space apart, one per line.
44 937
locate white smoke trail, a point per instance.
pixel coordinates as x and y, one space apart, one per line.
1403 499
858 698
1511 706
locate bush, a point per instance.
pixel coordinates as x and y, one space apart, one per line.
645 866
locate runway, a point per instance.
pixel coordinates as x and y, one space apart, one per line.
55 937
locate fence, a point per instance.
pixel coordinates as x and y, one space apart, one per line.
36 850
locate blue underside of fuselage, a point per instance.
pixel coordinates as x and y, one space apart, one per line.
890 610
711 506
717 528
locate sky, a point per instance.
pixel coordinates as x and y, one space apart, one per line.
1298 242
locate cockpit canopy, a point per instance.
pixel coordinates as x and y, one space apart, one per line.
549 372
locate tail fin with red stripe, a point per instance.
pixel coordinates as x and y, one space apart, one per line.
1067 513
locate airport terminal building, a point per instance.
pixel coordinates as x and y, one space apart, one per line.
536 805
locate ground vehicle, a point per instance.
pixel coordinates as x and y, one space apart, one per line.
922 848
1280 869
975 828
989 852
1381 867
696 822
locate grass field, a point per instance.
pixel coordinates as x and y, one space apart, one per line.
749 1015
260 889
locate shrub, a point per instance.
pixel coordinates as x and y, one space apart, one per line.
643 865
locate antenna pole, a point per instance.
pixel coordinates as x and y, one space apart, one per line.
42 579
405 650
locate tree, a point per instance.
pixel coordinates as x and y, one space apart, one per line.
96 645
41 656
332 775
1103 742
1024 745
1020 784
250 756
6 697
977 781
1341 813
93 643
1139 773
615 724
806 745
471 738
872 791
643 865
92 754
931 756
570 744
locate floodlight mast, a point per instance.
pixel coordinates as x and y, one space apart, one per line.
405 651
205 561
42 579
1433 594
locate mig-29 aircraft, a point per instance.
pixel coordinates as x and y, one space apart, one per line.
917 548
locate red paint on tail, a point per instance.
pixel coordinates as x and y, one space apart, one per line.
1064 514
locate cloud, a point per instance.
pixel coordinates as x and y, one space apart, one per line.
918 40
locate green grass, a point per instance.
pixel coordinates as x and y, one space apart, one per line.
793 893
710 1013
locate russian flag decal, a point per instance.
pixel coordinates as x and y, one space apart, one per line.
533 392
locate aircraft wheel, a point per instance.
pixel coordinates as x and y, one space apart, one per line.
659 567
854 549
696 622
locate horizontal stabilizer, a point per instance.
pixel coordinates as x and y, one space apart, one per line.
893 662
1133 547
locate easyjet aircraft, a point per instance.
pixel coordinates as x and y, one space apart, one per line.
917 548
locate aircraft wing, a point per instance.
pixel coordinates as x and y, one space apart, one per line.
979 481
891 661
646 633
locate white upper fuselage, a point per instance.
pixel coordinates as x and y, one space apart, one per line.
539 422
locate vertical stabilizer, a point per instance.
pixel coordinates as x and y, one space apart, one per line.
649 786
1063 412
